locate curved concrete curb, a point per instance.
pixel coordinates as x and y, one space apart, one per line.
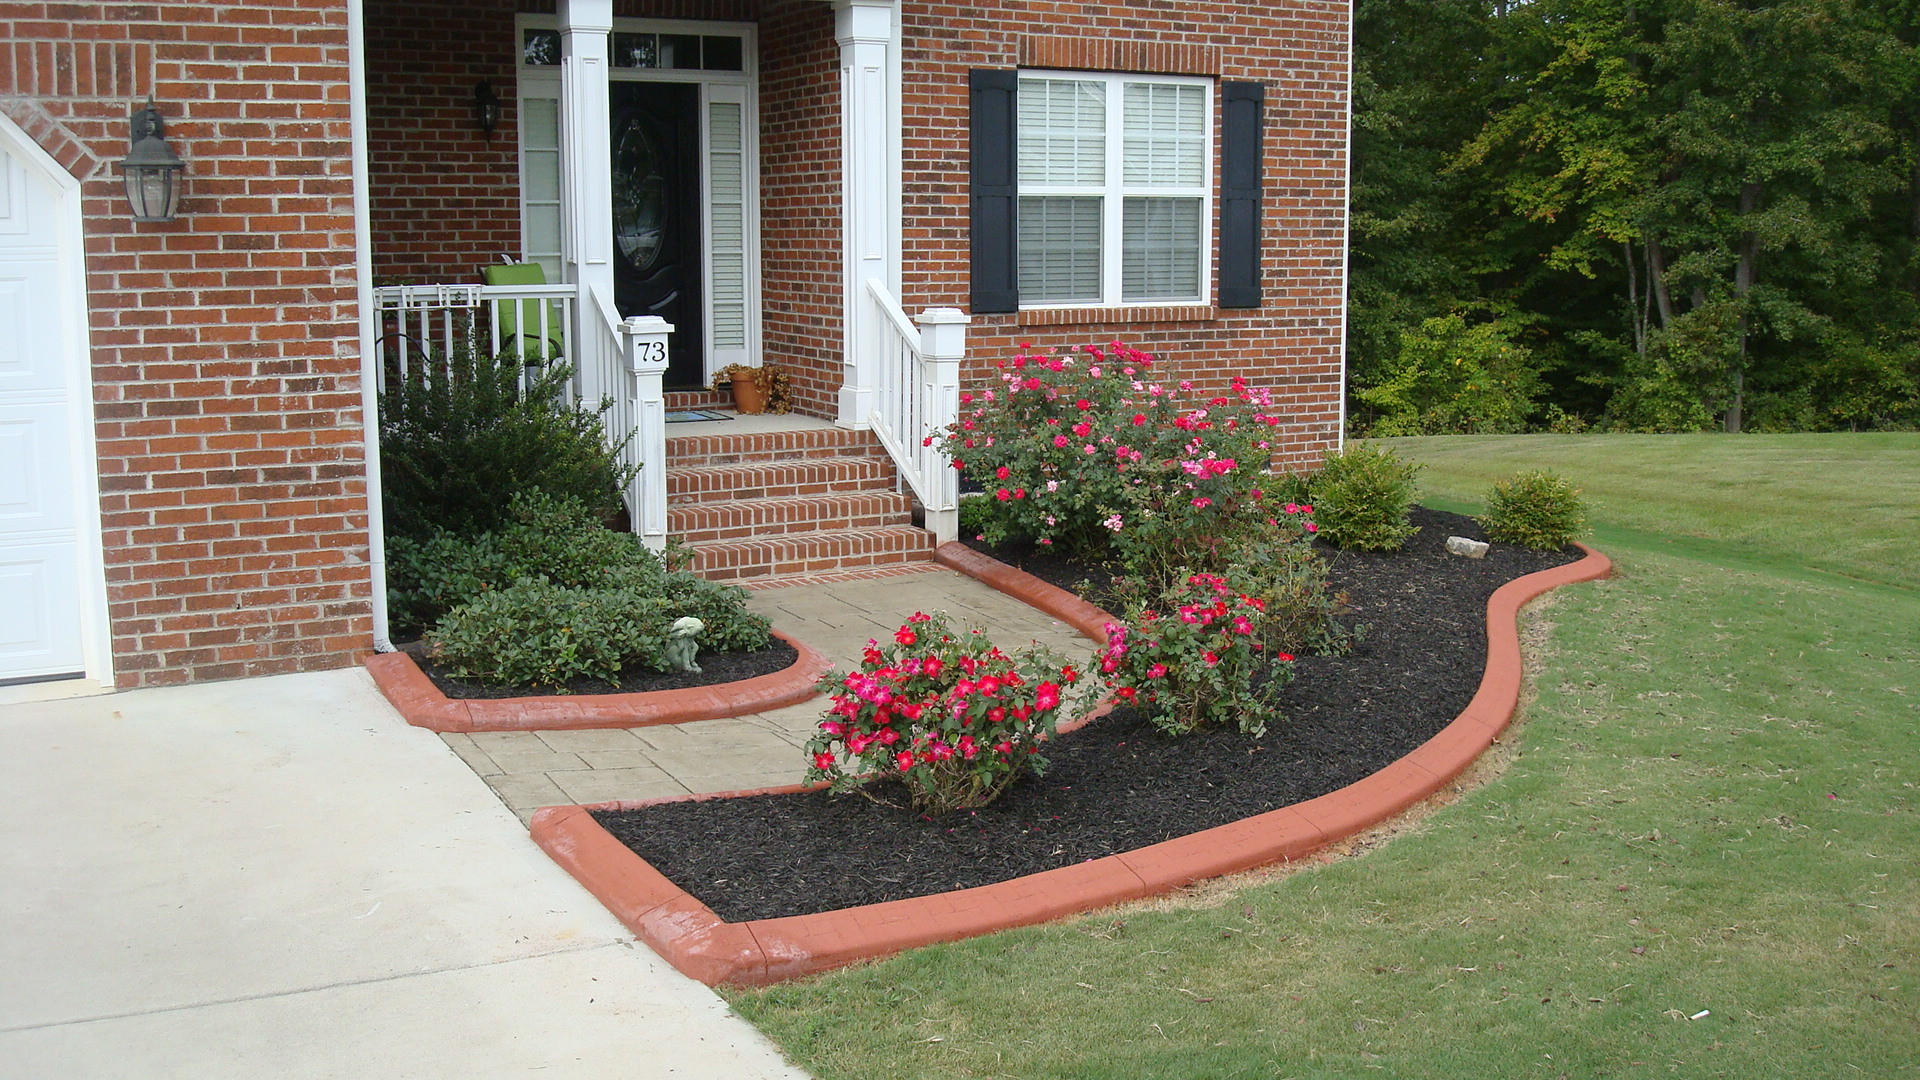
689 935
1024 587
423 705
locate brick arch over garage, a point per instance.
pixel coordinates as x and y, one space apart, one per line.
53 136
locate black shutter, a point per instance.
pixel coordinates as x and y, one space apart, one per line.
995 190
1240 157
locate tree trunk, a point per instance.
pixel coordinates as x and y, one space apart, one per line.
1636 307
1743 277
1657 281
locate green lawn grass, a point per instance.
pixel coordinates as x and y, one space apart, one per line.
1843 503
1712 809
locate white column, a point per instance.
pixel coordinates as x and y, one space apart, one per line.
646 343
867 31
586 172
943 341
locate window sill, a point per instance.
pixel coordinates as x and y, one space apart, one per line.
1134 315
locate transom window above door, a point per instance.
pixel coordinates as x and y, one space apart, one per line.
540 47
1115 183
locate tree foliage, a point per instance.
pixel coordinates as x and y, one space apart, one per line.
1676 213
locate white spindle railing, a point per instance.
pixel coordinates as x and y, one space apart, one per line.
422 326
620 370
918 396
617 364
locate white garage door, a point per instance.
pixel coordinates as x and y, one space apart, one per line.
41 598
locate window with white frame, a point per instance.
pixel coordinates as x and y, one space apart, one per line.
1115 189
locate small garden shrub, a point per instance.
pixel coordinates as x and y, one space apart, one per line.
944 711
1293 487
1281 569
554 596
1361 499
1536 510
453 444
1091 453
1196 657
536 633
975 513
540 535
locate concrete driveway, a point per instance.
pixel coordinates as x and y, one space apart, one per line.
277 877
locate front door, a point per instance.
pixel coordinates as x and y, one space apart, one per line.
656 216
40 562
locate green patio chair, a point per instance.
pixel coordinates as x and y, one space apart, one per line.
519 320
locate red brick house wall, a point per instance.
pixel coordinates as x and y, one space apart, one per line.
445 199
1297 48
800 199
225 360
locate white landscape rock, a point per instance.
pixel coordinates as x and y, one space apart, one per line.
1472 549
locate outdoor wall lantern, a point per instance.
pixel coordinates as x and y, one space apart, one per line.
151 169
486 107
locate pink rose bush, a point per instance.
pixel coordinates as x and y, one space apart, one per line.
1095 452
1199 655
945 712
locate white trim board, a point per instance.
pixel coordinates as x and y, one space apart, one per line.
96 640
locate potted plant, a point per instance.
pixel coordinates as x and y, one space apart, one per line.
756 389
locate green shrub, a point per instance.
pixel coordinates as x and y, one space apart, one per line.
729 625
1450 377
976 513
428 578
541 535
1293 487
560 544
1361 498
536 633
460 435
1289 578
1536 510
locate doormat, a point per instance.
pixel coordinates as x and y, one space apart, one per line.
688 416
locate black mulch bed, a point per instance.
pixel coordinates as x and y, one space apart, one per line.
1118 784
715 668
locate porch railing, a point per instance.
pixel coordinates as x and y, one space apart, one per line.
423 325
615 363
629 362
917 397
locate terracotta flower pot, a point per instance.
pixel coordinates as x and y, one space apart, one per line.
747 396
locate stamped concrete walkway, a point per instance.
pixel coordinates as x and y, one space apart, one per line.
529 770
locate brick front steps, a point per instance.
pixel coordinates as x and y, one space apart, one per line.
423 705
781 504
703 946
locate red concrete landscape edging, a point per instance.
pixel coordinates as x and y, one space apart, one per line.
423 705
700 944
1024 587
